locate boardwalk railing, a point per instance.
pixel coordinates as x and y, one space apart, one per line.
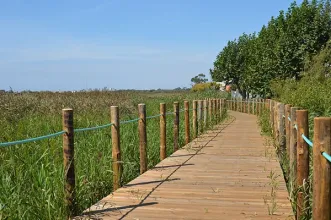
212 108
251 106
290 129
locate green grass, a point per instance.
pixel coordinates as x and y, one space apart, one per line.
31 181
264 122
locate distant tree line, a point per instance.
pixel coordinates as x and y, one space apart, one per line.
281 50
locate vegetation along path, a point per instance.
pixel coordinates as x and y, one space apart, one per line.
228 173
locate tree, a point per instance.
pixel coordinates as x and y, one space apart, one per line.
281 50
201 78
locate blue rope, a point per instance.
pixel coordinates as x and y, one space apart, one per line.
31 139
289 118
307 140
327 156
154 116
92 128
129 121
169 113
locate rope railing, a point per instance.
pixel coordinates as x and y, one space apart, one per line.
93 128
154 116
309 142
77 130
69 133
298 158
7 144
129 121
169 113
326 156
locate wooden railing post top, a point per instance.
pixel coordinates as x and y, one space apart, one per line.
294 109
67 110
113 107
141 104
317 119
300 111
163 109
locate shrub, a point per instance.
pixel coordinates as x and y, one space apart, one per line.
200 87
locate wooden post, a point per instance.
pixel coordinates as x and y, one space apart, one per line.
256 106
267 104
238 103
302 158
205 113
280 126
68 160
272 103
260 106
142 138
248 106
226 107
116 148
293 145
176 126
241 105
233 104
275 120
245 110
195 119
163 131
213 109
321 169
200 119
287 129
210 108
221 108
187 122
217 110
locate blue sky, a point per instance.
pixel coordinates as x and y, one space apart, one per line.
122 44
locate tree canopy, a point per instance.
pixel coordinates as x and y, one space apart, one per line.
280 50
201 78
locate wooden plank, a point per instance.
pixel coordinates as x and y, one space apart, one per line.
227 173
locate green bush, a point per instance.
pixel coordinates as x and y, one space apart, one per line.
200 87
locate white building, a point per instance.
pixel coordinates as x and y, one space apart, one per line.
222 85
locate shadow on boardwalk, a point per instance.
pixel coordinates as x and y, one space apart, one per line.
221 175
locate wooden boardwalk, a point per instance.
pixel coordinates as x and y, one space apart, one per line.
227 173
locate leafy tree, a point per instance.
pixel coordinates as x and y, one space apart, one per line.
281 50
201 78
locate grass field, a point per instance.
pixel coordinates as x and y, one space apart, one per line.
31 175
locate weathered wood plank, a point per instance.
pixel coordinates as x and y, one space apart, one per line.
224 174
